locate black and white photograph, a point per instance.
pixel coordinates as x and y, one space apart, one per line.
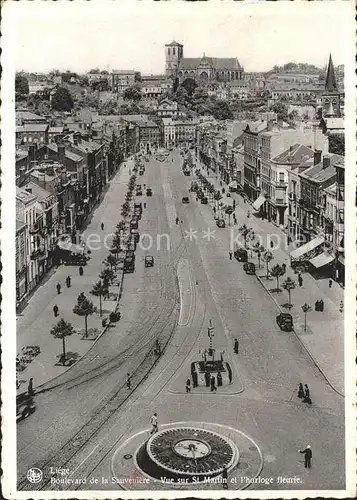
178 240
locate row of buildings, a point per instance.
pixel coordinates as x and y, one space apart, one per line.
289 173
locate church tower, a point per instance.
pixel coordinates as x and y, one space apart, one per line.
331 95
173 56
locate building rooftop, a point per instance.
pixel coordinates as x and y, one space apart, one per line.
318 173
123 72
56 130
219 63
173 43
68 154
32 127
27 115
296 154
37 190
19 224
23 196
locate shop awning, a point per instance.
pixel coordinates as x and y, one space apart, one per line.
308 247
321 260
258 202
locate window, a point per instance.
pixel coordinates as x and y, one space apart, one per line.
281 177
173 52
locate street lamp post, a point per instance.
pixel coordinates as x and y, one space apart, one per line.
306 308
210 332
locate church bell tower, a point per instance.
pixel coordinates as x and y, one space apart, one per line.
173 56
331 106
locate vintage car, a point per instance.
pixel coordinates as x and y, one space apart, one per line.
241 254
204 200
249 267
220 223
134 224
185 199
149 192
149 261
285 321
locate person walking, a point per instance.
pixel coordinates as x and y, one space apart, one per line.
213 384
322 305
128 381
341 306
80 270
330 283
177 220
225 478
300 280
230 255
144 204
307 398
188 385
317 305
219 379
248 214
195 379
58 286
55 310
30 390
154 423
301 391
236 346
308 456
68 282
207 379
102 226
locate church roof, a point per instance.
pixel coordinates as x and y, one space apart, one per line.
330 84
174 43
219 63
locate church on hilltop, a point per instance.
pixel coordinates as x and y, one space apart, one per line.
203 70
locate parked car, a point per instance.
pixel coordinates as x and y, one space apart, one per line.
149 192
149 261
285 321
185 199
220 223
241 255
249 267
204 200
134 224
139 192
141 172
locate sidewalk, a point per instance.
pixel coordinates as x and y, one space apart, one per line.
36 320
324 336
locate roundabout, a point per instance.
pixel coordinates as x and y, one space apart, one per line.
186 455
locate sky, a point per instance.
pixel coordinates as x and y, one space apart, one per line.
121 34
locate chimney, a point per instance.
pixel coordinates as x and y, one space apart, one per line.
326 162
270 125
317 156
61 154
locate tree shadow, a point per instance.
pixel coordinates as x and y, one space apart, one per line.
287 305
70 359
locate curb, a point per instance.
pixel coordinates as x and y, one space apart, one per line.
302 342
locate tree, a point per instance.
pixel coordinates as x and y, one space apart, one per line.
94 71
60 331
111 261
99 290
107 275
181 96
84 307
306 308
132 93
21 86
244 230
221 110
277 271
281 110
189 85
268 256
62 100
289 285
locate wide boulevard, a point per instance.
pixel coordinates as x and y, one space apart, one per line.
87 413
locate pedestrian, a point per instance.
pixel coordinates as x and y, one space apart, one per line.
195 379
213 384
322 305
248 214
225 478
80 271
207 379
230 255
144 204
219 379
308 456
271 244
244 200
30 390
196 282
55 310
236 346
154 423
68 282
102 226
58 286
177 220
317 305
128 381
301 391
330 283
307 398
188 385
300 279
341 306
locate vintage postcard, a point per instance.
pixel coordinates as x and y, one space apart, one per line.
178 249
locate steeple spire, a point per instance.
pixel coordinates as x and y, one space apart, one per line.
330 84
